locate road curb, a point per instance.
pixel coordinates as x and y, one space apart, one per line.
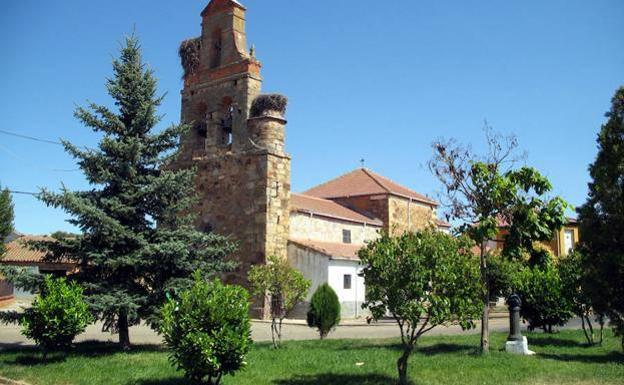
350 323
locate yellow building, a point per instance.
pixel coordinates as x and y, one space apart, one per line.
565 239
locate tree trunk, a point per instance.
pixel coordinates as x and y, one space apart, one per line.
589 341
124 334
591 330
274 332
485 319
279 331
402 366
601 322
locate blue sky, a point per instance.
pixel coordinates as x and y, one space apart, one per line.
366 79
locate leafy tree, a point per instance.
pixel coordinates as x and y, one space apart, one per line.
544 297
137 240
57 315
324 312
6 217
485 191
208 330
602 217
284 287
571 272
532 217
62 234
423 279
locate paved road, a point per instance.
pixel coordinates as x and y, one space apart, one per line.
10 334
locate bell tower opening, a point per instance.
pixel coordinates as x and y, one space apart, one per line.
216 49
226 111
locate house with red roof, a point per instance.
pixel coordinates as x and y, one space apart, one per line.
19 253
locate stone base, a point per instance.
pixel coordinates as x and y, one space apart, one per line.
519 347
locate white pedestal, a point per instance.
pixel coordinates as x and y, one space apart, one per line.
519 347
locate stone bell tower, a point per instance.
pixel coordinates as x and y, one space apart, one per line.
236 140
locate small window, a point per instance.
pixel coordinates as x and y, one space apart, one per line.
346 281
346 236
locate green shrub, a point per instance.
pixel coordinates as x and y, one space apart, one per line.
208 330
57 315
543 294
324 313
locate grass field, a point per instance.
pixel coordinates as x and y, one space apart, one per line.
562 359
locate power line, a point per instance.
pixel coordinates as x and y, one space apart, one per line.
24 193
27 161
30 137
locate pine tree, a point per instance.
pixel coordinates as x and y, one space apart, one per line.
6 217
602 217
137 240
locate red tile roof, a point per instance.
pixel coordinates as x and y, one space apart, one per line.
19 251
442 223
343 251
364 182
326 208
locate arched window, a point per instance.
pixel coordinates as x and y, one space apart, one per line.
201 120
227 113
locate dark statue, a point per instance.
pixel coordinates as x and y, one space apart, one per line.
514 302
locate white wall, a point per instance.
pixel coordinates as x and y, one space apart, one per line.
320 269
313 265
350 299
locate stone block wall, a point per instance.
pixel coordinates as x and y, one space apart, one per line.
372 205
304 226
405 215
397 214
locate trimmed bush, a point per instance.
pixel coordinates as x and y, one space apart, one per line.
57 315
324 313
544 301
208 330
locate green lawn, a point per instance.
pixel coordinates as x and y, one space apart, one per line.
562 359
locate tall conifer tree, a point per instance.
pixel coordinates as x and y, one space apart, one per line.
602 217
6 217
137 237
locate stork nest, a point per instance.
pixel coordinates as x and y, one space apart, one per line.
189 53
271 102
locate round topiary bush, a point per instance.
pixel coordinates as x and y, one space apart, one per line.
208 330
57 315
324 312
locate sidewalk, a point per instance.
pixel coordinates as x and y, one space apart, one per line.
10 334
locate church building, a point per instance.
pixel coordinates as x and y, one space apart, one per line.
237 145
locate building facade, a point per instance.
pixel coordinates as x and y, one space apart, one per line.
243 172
20 254
564 240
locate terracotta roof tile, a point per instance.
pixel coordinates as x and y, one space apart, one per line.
364 182
18 250
442 223
343 251
324 207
